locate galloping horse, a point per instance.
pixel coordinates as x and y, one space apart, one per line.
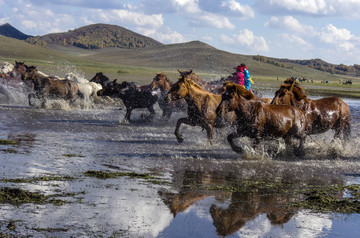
131 96
321 114
201 107
46 87
257 120
162 82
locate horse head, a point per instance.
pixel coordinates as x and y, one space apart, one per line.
283 96
160 81
179 89
100 78
230 99
19 69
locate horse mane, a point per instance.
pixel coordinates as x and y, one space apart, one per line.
191 82
241 90
297 90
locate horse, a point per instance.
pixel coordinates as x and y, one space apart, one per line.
247 94
321 114
201 110
46 87
257 120
162 82
100 78
194 77
86 88
131 96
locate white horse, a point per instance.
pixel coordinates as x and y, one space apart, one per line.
6 68
86 88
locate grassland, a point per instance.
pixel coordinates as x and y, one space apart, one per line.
140 65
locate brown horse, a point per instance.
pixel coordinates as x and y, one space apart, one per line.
201 107
162 82
258 120
46 87
194 77
247 94
321 114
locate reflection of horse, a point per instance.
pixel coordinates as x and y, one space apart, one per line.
201 106
321 114
258 120
50 88
131 96
246 206
161 82
100 78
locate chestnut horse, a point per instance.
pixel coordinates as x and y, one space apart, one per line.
162 82
46 87
247 94
258 120
194 77
321 114
201 107
132 97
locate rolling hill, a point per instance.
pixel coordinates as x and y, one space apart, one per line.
98 36
10 31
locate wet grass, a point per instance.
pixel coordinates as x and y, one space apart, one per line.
38 179
7 142
109 175
17 196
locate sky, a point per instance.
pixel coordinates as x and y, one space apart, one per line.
292 29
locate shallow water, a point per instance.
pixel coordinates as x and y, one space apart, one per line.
187 200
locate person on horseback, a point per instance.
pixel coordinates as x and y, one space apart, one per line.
239 76
247 79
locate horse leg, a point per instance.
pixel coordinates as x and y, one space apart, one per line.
234 147
209 131
185 120
128 114
152 113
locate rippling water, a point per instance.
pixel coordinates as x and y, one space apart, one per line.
189 200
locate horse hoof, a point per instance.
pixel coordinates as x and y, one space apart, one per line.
180 139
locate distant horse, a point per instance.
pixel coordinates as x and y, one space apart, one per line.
258 120
321 114
45 87
131 96
162 82
201 107
100 78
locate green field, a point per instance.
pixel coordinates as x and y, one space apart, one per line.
140 65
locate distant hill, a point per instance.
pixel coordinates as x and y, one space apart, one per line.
10 31
98 36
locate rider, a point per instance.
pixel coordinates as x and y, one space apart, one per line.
247 79
239 76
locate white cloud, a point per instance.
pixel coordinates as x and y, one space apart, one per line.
165 35
246 38
289 23
340 37
244 11
295 41
349 8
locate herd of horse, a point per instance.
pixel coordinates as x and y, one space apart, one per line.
290 115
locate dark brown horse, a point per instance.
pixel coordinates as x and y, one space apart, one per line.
132 97
201 107
258 120
321 114
100 78
162 82
46 87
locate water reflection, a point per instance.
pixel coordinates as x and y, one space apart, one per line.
236 205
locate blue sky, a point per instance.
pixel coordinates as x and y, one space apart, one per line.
293 29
